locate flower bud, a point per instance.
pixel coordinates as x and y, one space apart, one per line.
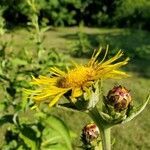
119 97
90 134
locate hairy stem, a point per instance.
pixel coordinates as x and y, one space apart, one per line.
104 129
106 140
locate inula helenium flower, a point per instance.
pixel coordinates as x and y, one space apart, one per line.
119 97
76 81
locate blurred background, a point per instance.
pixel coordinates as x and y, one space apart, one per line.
38 34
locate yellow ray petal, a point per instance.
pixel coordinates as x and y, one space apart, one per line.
57 71
55 99
94 57
113 59
76 92
73 99
106 52
44 80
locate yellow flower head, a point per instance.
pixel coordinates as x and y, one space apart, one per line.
78 80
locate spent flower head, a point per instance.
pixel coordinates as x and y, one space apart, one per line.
77 81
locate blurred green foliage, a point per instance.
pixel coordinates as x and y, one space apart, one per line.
82 46
112 13
45 132
135 43
21 130
133 13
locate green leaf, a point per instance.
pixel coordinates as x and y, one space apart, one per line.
30 143
137 112
105 116
56 147
95 96
59 137
29 136
6 119
24 102
2 106
44 29
18 62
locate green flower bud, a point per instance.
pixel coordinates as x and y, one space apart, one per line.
90 135
119 97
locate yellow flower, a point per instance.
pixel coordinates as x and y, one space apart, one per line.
77 80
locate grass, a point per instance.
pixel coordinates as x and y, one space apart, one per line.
133 135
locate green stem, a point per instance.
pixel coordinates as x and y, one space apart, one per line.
106 140
104 129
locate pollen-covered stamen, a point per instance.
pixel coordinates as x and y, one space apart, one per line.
77 77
